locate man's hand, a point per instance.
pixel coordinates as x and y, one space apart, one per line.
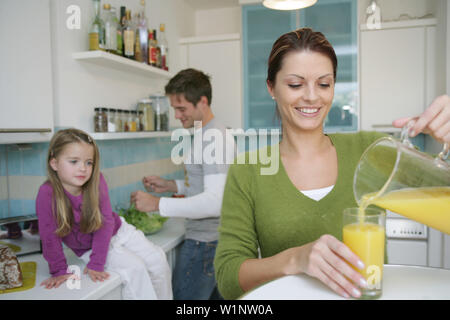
145 202
159 185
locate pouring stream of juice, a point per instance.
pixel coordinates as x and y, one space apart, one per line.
427 205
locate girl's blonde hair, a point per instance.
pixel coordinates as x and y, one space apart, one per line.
91 217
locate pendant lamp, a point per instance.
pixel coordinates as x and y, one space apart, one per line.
288 4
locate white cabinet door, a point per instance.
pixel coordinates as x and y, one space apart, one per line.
221 60
393 75
26 97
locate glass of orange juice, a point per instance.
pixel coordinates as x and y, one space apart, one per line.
364 233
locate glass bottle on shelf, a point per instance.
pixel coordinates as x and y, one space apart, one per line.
158 50
142 31
117 35
110 29
137 44
152 56
128 35
96 31
120 31
164 47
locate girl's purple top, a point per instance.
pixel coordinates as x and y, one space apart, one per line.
79 242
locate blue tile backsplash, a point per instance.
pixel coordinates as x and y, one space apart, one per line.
31 162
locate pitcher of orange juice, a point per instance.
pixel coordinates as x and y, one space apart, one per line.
394 175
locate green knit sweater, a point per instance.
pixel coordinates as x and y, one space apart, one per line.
269 212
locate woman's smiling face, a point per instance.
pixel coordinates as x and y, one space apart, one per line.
304 90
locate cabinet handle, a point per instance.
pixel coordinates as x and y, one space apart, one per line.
38 130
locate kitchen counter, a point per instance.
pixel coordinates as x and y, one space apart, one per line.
168 238
400 282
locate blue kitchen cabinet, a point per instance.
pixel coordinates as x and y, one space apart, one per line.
337 20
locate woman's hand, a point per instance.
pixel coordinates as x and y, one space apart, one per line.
328 260
55 282
96 275
435 120
158 184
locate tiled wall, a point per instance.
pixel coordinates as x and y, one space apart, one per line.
123 163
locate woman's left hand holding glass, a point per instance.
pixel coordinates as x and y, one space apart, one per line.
435 120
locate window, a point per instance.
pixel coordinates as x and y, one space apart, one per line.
337 20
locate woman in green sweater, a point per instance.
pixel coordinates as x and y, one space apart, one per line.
295 216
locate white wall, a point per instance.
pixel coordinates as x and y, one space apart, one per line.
80 86
218 21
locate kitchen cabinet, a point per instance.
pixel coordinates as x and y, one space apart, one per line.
220 58
26 93
397 72
257 39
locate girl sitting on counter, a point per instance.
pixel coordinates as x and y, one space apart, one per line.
73 207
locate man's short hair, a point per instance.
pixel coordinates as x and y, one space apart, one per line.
191 83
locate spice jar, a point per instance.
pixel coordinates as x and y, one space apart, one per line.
148 119
125 114
161 109
131 121
126 124
100 120
118 120
140 117
112 120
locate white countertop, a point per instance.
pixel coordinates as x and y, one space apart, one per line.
399 283
168 238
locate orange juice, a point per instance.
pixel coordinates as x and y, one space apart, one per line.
427 205
366 240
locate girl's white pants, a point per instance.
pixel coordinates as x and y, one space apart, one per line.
142 265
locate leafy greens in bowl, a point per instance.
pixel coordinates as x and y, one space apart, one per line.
148 223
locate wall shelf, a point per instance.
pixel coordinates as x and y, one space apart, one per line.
129 135
113 61
402 24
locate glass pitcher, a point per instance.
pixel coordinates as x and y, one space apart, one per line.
394 175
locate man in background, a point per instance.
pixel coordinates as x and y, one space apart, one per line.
190 95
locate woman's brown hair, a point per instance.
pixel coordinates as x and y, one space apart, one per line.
304 39
91 217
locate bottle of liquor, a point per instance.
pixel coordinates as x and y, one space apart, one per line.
96 34
128 36
121 28
117 32
110 29
158 50
164 47
137 44
152 47
143 33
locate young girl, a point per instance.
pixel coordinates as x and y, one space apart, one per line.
73 207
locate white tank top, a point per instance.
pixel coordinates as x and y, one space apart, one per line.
317 194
